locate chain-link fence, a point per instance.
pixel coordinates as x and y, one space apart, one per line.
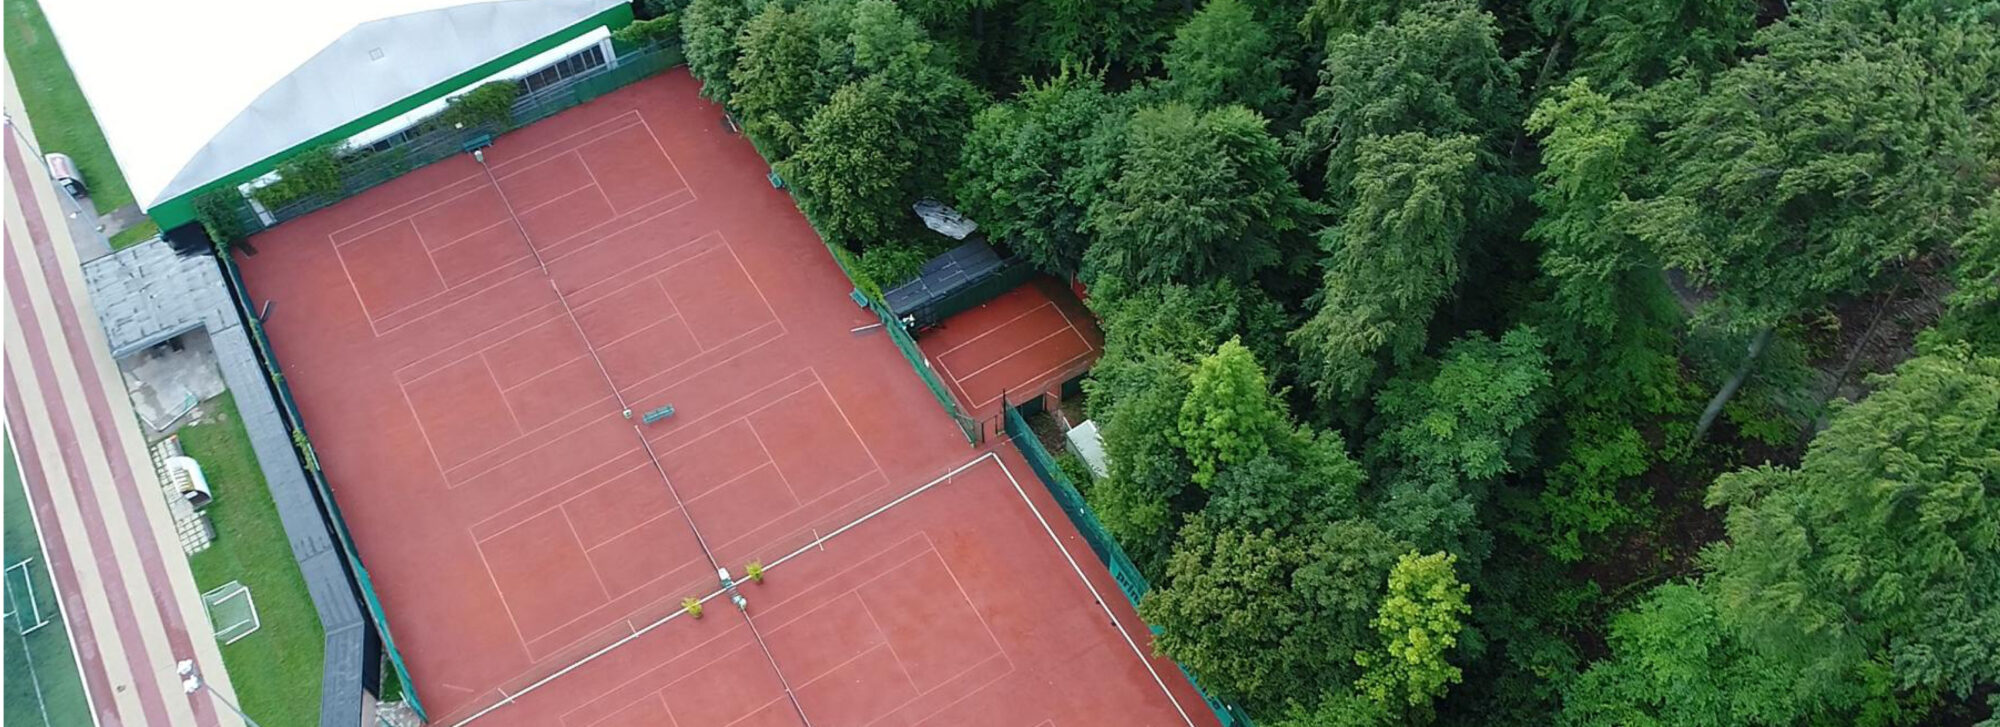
1123 570
364 170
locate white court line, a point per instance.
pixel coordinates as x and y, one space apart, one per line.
55 588
648 628
996 328
1101 603
817 542
1067 363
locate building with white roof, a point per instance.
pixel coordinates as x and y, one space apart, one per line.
196 94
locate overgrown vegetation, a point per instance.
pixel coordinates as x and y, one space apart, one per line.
314 172
489 104
1466 361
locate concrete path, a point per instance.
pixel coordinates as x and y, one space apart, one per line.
132 604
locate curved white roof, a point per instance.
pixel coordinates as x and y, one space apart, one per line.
190 90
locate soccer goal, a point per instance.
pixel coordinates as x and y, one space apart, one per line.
232 611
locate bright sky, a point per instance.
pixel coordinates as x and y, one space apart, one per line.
164 77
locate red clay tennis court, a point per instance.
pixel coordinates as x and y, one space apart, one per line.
1020 345
475 349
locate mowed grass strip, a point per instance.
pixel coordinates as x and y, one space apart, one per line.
62 118
276 671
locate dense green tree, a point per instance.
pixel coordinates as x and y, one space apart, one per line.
1437 69
708 37
1674 664
1230 416
851 172
1591 149
1272 619
1419 623
1224 55
1122 33
1324 19
1974 313
1178 323
1841 149
1197 196
772 83
1449 433
1150 483
1311 482
1395 258
1884 544
1022 171
1610 318
1641 42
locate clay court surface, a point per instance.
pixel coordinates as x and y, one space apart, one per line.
464 377
1020 345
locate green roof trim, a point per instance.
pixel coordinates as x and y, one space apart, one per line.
179 210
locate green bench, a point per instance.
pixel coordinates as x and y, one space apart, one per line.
658 414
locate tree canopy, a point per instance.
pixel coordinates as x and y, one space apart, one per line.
1411 307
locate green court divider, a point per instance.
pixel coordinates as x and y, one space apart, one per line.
362 171
330 509
1123 570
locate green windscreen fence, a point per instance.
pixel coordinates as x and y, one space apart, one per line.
361 171
899 334
289 410
1123 570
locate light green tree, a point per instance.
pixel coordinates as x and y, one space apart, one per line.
1419 622
1230 416
1267 618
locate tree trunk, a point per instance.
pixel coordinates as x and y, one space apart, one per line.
1757 345
1847 367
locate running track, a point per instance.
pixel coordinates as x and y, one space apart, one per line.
131 603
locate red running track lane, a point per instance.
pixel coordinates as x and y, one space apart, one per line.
1021 344
512 520
50 437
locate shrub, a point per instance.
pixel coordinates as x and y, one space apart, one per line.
492 103
692 606
660 31
1079 474
220 212
890 264
314 172
755 571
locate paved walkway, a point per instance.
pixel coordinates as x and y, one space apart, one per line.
132 603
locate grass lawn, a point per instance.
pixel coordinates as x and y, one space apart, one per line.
43 685
276 670
62 119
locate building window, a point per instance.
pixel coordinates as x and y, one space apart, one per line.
576 64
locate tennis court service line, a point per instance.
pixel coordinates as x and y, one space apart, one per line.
645 444
815 543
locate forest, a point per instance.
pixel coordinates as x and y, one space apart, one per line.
1577 362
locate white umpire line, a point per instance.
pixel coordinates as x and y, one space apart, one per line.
819 541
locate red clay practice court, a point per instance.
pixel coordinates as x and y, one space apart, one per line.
1020 345
464 344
